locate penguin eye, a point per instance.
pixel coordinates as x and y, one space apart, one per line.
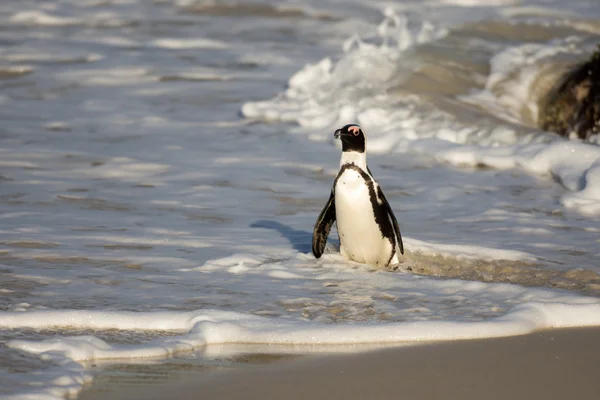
353 129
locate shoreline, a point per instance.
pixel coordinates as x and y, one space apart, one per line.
549 364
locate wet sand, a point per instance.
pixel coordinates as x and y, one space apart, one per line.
554 364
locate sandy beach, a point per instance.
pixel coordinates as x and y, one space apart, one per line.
553 364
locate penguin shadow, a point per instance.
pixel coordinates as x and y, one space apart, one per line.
300 240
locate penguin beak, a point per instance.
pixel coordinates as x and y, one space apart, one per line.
337 134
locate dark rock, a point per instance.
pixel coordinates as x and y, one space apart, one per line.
572 107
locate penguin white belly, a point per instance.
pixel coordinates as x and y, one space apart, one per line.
361 239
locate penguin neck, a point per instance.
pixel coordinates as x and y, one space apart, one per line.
354 157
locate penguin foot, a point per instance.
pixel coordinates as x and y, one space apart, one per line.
399 267
393 267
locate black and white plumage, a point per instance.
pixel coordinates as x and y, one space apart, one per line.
367 227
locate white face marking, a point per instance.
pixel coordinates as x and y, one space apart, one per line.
354 129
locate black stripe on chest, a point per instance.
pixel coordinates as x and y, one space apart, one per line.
381 217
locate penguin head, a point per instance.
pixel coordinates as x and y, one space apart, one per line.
353 138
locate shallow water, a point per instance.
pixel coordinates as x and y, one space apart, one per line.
172 156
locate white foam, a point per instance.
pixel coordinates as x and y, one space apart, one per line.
466 252
509 90
209 327
197 43
359 88
42 18
586 200
103 226
200 75
304 293
110 77
573 163
17 69
328 94
205 327
26 55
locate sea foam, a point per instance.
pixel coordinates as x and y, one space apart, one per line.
204 328
359 88
367 308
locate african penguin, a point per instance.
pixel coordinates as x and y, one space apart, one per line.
366 224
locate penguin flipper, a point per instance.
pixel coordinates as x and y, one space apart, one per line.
392 217
323 226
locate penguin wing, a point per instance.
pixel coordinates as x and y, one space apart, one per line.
323 226
391 217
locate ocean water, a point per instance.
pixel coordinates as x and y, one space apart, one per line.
162 164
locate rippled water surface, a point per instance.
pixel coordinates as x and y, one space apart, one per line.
173 156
